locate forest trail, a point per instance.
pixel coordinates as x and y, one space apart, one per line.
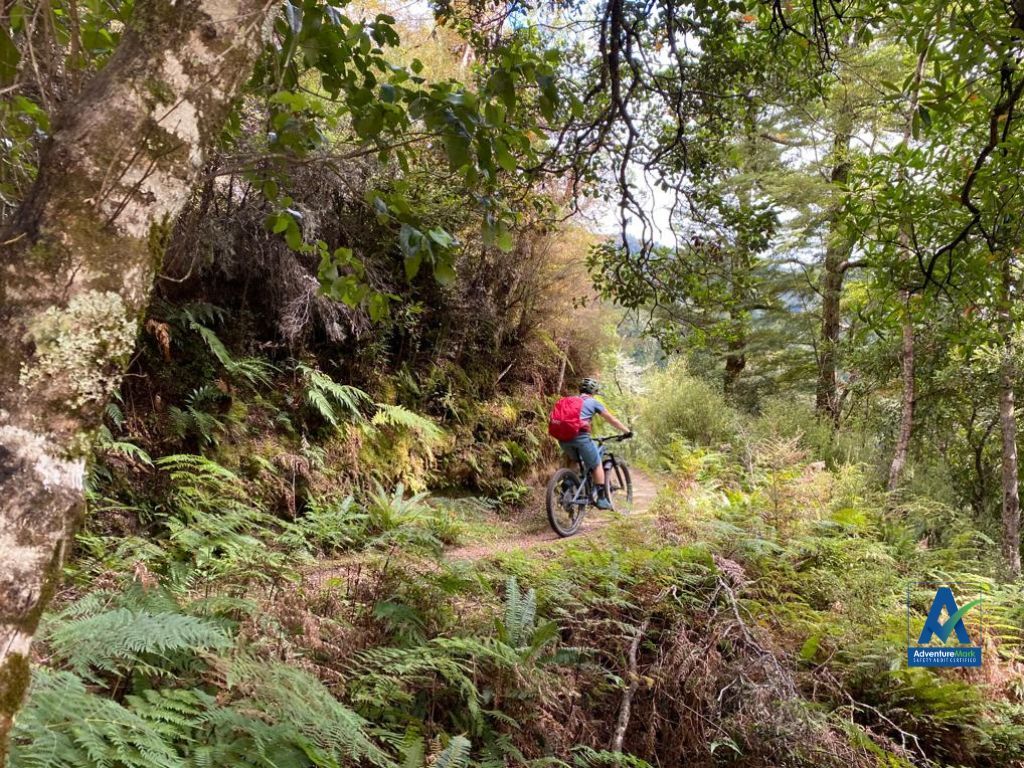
531 530
489 534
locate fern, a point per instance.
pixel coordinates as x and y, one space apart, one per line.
199 418
327 527
331 400
285 719
213 523
520 615
198 317
587 757
66 726
290 696
253 371
192 469
117 640
393 678
399 417
454 755
107 443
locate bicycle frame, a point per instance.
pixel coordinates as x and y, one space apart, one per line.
607 462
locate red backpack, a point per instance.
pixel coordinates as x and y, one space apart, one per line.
565 422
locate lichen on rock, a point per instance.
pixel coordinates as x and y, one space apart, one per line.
81 347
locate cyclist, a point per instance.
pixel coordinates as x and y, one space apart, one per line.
570 424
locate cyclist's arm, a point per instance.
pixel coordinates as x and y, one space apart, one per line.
615 422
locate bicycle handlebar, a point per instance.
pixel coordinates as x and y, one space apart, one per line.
613 438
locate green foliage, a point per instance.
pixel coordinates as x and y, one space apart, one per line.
132 687
678 405
65 724
329 399
203 418
398 417
124 640
212 524
328 527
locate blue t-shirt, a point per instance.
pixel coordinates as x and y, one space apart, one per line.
591 405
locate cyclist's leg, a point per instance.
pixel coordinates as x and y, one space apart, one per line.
591 455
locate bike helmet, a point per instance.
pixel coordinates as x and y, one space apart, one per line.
590 386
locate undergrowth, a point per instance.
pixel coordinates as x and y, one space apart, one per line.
264 583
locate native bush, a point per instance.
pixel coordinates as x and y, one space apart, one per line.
676 405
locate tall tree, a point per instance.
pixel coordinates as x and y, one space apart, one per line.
904 242
1008 328
76 272
838 247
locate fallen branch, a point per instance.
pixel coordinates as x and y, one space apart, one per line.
627 695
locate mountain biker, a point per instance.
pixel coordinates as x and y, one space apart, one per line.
566 420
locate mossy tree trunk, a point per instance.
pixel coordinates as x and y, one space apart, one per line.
838 247
76 270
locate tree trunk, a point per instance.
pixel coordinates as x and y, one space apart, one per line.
735 363
837 252
1011 493
76 272
899 457
1008 427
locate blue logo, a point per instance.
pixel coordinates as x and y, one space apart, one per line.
925 653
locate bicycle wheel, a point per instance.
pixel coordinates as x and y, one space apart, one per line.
617 482
564 513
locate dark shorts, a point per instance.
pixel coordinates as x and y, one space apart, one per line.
582 447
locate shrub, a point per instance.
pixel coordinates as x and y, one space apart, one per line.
789 416
678 405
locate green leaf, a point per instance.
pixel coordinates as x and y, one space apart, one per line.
503 156
441 237
9 57
810 647
457 147
502 86
444 272
368 125
503 238
412 265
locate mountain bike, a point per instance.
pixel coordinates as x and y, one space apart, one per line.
568 496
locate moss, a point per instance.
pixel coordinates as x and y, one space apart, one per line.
82 347
157 241
14 680
15 672
160 93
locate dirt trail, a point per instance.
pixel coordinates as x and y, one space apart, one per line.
494 535
533 531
